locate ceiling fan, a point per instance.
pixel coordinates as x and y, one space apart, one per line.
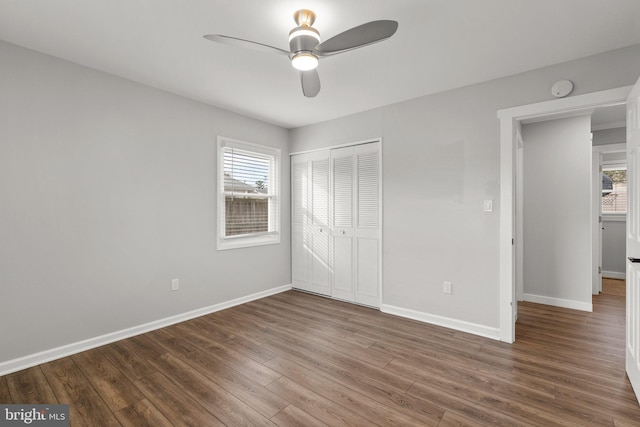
305 47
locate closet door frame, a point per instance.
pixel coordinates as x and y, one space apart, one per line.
381 202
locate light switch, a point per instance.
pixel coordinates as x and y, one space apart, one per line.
488 205
446 287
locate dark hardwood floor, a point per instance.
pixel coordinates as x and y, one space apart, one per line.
298 359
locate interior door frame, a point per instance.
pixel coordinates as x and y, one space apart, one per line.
602 150
510 120
596 219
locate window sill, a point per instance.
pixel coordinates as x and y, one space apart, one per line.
622 217
247 242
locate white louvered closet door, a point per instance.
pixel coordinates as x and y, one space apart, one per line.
319 223
367 231
310 234
300 219
343 207
355 187
335 217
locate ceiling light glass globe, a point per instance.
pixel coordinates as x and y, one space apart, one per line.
304 61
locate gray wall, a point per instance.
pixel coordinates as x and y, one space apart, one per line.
557 209
107 192
610 136
614 247
441 159
615 157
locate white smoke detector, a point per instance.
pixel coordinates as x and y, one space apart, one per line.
562 88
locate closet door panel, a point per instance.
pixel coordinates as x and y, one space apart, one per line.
301 205
299 261
320 192
319 224
343 272
367 230
368 188
342 188
320 269
368 280
300 208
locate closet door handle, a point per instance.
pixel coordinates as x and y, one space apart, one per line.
632 259
320 230
342 232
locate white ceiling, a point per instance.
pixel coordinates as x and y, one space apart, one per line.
440 45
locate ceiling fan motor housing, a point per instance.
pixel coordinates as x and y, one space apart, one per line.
303 39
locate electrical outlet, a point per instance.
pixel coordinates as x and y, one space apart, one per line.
446 287
175 284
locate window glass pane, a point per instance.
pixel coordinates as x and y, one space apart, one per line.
245 215
245 172
614 191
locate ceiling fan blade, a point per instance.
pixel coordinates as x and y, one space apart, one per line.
234 41
356 37
310 83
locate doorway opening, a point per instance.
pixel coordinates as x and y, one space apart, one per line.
554 213
511 121
610 203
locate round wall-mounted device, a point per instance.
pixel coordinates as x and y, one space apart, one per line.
562 88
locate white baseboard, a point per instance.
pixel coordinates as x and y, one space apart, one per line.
614 275
31 360
458 325
558 302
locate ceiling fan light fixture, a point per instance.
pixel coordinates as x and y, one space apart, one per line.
304 61
305 47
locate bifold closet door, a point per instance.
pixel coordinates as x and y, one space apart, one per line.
300 206
311 270
343 207
319 223
355 207
368 230
335 219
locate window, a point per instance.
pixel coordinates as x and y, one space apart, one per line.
614 190
248 190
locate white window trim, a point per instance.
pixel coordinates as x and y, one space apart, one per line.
248 240
613 217
613 165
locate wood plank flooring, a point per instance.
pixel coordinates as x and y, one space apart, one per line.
614 286
296 359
